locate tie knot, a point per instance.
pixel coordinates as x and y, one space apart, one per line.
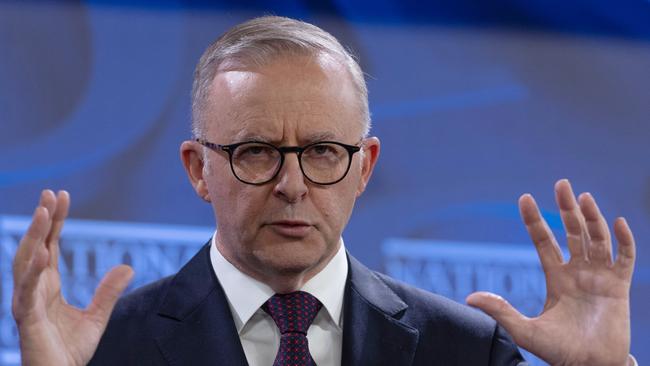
293 312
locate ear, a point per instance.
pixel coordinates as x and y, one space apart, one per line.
370 155
192 158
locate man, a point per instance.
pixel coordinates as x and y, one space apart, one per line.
281 152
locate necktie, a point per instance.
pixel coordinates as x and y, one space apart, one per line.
293 313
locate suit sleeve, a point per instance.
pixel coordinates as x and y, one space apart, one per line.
504 350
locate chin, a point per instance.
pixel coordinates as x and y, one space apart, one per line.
291 258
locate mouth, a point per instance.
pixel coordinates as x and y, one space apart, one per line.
291 228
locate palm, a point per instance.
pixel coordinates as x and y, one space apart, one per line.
571 329
60 326
585 320
51 331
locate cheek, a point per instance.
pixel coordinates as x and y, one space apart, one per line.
240 207
233 202
336 207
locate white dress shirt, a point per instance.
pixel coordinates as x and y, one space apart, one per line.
259 335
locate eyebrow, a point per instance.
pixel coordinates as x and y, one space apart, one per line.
315 137
249 136
320 136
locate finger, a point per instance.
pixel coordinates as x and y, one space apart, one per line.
48 200
109 290
40 222
497 307
572 219
600 245
33 239
548 250
26 284
626 252
58 218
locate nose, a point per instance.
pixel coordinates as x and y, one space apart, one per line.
290 185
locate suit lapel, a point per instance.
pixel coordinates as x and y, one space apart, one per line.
198 329
372 331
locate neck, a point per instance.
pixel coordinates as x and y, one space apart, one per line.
280 279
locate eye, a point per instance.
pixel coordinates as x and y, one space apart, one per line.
322 149
325 152
254 151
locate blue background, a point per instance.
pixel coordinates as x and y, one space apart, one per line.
475 103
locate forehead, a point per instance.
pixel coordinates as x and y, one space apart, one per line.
299 98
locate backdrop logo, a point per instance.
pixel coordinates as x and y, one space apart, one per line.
88 250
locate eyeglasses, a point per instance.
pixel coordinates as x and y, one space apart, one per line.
257 163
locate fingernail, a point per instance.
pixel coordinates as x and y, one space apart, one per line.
44 209
560 182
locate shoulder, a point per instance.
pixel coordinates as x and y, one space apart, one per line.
129 335
452 328
417 308
427 308
136 314
142 301
454 333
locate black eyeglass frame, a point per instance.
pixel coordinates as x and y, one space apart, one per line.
351 149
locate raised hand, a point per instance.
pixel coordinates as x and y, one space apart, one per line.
51 331
586 317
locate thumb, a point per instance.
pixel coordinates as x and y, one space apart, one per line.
108 291
507 316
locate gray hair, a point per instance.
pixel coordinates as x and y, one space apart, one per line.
258 42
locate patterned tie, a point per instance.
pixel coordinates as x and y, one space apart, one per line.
293 314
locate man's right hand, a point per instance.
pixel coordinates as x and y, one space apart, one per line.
51 331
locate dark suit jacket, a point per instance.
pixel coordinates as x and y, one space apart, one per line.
185 320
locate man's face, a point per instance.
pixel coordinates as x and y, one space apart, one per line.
289 227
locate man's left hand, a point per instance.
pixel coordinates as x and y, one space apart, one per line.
586 317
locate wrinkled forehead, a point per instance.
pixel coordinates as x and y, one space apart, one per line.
299 98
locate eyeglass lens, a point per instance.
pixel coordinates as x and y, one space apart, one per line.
322 163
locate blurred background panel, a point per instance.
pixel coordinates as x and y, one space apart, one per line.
475 103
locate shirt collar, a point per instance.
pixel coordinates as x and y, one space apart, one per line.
246 294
